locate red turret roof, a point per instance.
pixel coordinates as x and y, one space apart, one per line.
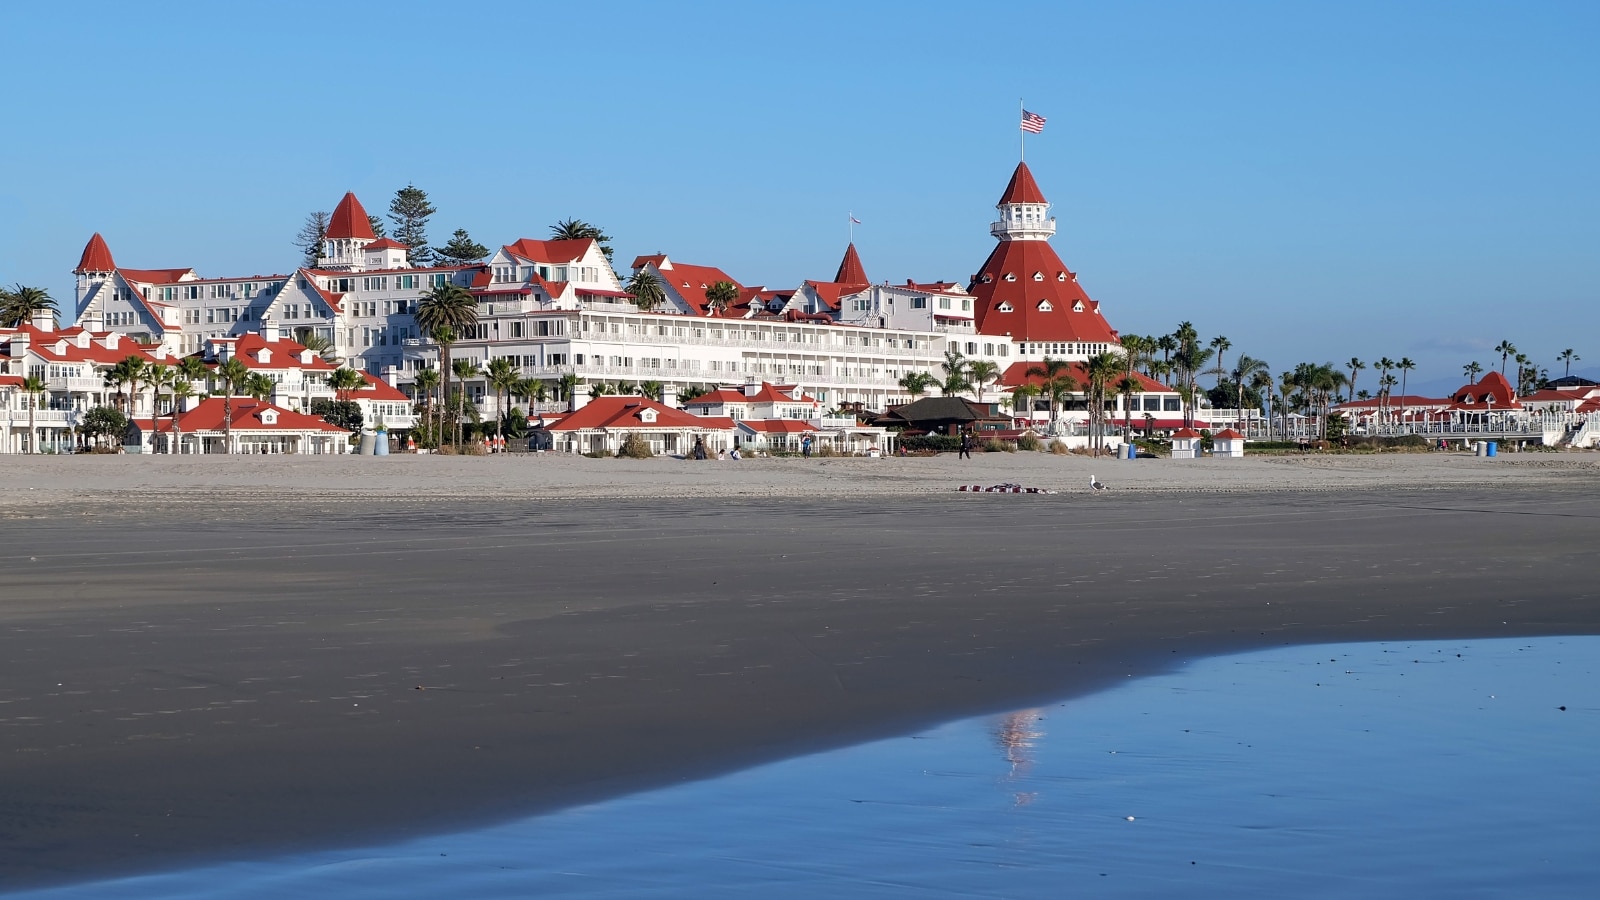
1051 307
1022 189
850 270
350 220
96 257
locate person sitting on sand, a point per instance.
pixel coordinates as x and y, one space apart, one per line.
735 454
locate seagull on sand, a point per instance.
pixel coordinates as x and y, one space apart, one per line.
1096 485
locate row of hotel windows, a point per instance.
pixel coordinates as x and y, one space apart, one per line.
345 285
850 339
548 273
380 337
212 292
1064 349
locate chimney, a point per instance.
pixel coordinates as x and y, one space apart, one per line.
45 319
669 395
269 330
752 388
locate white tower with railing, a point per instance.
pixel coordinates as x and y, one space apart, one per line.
1024 213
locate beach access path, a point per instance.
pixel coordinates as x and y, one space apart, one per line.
227 658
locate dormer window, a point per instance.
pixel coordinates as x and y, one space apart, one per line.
1003 307
1010 277
1061 276
1078 306
647 416
987 278
1038 276
269 417
1045 306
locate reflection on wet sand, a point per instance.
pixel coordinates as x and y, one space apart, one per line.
1016 733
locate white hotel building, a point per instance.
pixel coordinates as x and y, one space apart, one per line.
557 308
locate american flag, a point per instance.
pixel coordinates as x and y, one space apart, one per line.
1032 122
855 220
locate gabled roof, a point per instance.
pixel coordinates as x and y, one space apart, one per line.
350 220
567 251
777 426
1492 386
384 243
937 410
378 389
96 256
690 282
1188 433
766 394
623 413
850 270
209 414
1022 188
1227 434
281 354
156 276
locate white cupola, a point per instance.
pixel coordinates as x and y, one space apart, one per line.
1024 212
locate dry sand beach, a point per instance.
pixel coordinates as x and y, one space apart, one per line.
228 657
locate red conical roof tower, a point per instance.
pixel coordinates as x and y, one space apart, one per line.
1025 290
1022 188
850 270
350 220
96 257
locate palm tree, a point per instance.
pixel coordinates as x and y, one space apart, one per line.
33 388
345 381
1100 369
1127 386
319 345
720 296
650 389
19 305
1405 365
982 372
1261 381
1219 346
1569 357
1167 344
159 377
260 387
1054 373
503 379
646 290
1385 365
955 372
1505 349
1472 370
232 375
1354 365
1522 364
568 386
445 312
180 390
425 382
577 229
462 369
1286 386
917 383
1022 399
1246 370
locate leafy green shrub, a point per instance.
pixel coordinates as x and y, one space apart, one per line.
634 447
937 443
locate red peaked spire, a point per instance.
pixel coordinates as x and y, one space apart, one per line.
96 257
850 270
350 220
1022 189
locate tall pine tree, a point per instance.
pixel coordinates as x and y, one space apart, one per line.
461 249
377 226
309 238
409 211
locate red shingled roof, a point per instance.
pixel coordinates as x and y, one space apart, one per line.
690 283
387 244
96 256
623 413
550 251
1011 301
247 414
283 353
350 220
767 394
850 270
1022 188
777 426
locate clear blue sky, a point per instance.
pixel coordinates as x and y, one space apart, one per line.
1313 181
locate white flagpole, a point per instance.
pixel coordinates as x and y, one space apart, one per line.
851 218
1022 153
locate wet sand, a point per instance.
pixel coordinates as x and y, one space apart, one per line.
225 673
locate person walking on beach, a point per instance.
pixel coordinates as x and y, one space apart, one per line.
966 446
805 446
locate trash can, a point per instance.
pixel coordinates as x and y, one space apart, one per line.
1130 451
1489 447
380 444
367 442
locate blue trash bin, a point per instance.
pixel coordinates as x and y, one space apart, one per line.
1490 448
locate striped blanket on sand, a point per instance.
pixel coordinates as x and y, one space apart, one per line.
1002 489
